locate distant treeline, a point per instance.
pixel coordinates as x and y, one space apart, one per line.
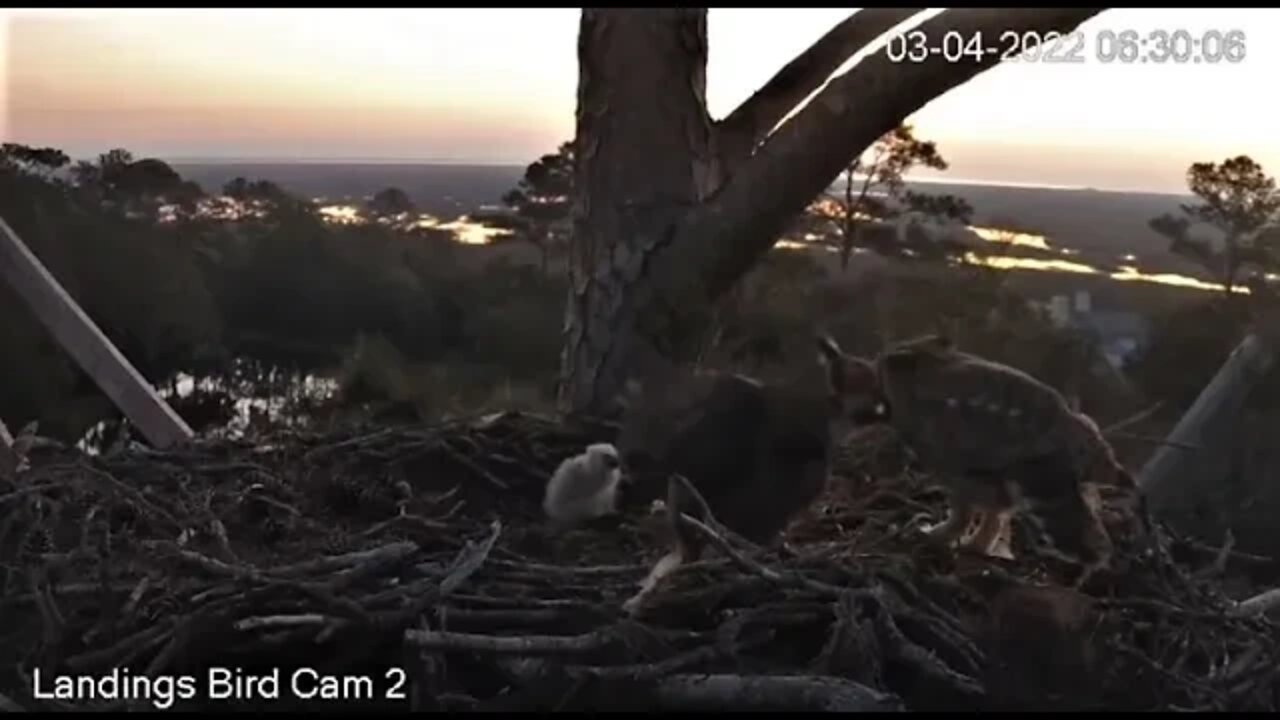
249 279
183 281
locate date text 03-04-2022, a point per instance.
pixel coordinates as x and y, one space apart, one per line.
1105 46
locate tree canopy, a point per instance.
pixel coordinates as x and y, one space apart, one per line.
250 282
875 190
541 202
1240 201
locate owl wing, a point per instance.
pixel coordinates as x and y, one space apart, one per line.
712 420
981 416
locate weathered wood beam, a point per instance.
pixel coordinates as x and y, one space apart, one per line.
80 337
1177 483
1174 480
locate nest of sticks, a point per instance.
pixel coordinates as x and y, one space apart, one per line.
409 568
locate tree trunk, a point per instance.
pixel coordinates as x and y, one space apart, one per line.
1231 264
1180 484
672 209
643 150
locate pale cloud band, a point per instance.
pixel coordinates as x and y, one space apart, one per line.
497 85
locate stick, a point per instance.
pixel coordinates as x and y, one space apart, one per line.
757 568
473 467
1133 419
469 560
780 693
283 621
1259 604
519 645
345 561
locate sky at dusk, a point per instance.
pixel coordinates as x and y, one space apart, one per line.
498 86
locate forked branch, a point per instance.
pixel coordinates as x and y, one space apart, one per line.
724 238
751 122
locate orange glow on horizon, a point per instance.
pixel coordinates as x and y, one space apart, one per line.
499 85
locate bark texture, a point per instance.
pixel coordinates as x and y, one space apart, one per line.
644 157
673 209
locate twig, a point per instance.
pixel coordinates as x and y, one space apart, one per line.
526 645
1219 566
390 559
1236 555
511 617
280 621
133 495
54 623
431 524
212 566
720 542
781 693
224 543
1259 604
472 466
68 590
1133 419
344 561
928 666
268 500
588 570
1228 544
136 596
567 604
468 561
178 640
98 659
358 440
28 490
534 669
755 567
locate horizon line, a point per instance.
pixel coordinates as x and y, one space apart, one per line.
1045 186
251 160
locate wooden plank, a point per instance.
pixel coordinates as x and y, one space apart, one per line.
1175 480
86 343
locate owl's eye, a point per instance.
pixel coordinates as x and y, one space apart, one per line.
611 461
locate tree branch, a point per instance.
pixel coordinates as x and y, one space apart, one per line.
722 240
751 121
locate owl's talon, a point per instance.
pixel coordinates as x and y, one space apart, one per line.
1002 552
